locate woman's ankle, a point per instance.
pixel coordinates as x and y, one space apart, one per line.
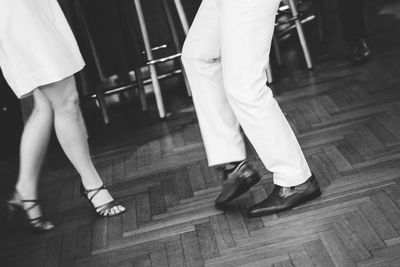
92 182
25 192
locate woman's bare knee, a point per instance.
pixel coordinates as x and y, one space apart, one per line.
63 96
41 105
68 104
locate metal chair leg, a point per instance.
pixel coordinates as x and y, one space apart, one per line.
277 50
318 6
185 26
300 32
102 105
140 85
99 94
175 38
153 70
270 77
182 16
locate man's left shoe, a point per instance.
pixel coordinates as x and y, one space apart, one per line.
286 198
236 182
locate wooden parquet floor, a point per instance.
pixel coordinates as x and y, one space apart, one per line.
347 120
348 123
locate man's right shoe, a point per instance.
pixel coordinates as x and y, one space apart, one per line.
286 198
236 182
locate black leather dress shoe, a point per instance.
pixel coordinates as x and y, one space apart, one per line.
285 198
236 183
360 51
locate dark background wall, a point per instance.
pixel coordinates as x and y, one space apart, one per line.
10 121
114 28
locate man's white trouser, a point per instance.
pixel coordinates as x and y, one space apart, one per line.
225 55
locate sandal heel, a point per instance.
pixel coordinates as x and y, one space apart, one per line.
38 224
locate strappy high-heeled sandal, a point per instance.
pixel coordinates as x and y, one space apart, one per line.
38 224
105 210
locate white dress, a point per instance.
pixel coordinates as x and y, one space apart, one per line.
37 46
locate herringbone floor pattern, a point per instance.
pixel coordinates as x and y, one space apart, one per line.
347 120
349 128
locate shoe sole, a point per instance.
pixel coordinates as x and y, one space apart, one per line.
242 188
306 199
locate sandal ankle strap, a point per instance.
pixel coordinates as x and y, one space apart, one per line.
95 190
34 201
37 219
30 200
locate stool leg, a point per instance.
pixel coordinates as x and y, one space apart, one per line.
185 26
175 38
182 16
300 32
277 50
88 35
318 7
103 106
270 77
153 70
142 94
189 92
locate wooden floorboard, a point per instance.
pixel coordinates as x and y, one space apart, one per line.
347 120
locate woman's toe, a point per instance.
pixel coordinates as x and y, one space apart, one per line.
121 208
48 226
115 210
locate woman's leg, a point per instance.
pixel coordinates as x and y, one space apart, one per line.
71 134
34 141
